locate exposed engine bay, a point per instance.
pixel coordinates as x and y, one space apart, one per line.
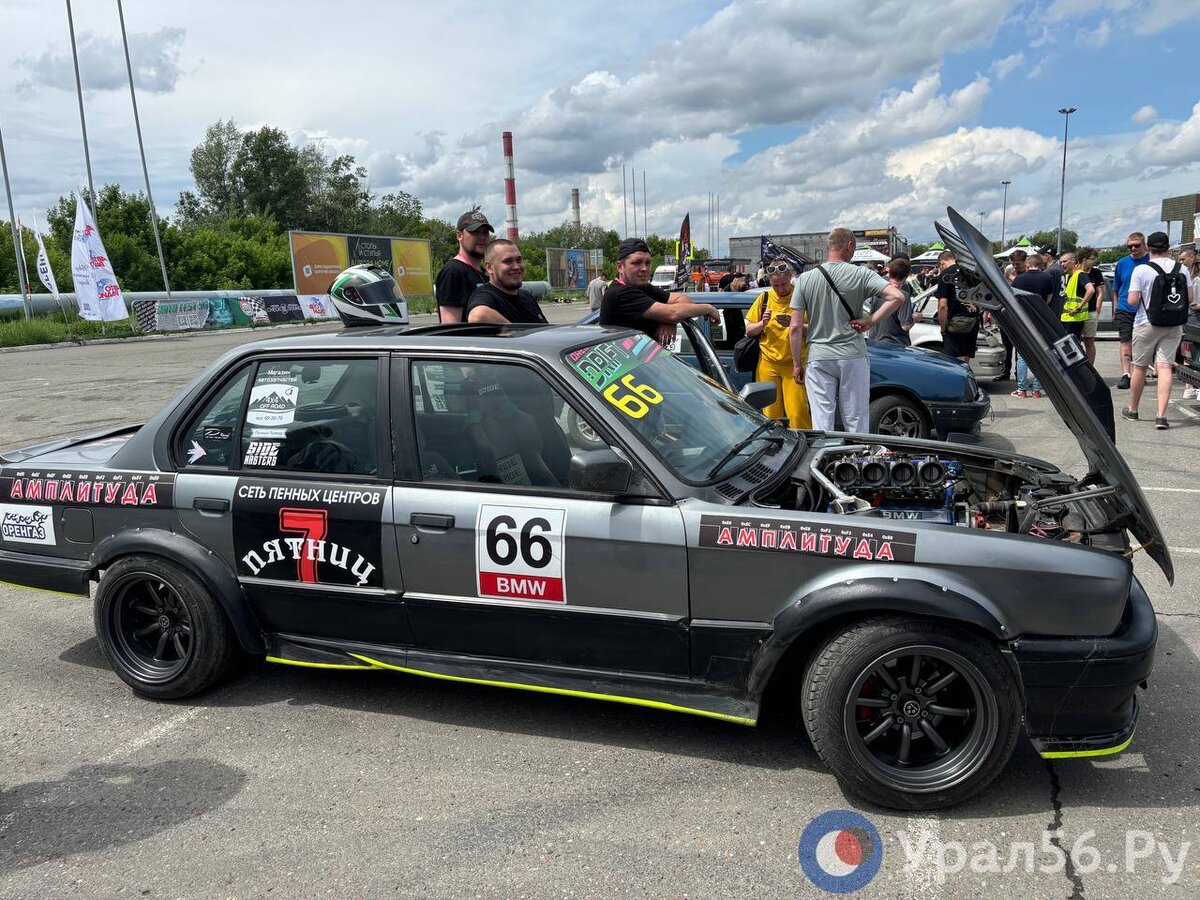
961 489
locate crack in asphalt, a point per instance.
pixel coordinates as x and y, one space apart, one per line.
1055 829
1178 615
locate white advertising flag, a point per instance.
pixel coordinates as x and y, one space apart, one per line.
96 288
43 263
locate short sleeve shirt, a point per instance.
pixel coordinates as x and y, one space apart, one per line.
1142 281
456 282
891 329
829 333
773 343
517 308
624 306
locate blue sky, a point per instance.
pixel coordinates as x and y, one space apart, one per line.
804 115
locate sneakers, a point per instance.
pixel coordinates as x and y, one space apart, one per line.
1020 394
1036 395
1123 383
1191 393
1160 423
1129 414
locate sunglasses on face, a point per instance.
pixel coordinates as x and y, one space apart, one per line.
778 269
1134 246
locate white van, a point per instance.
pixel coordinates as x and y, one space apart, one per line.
663 277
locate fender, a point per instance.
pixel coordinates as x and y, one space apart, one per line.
198 560
866 596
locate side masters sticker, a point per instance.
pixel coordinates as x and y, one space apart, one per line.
807 538
318 533
96 487
27 524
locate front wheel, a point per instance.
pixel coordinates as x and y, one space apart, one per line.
911 714
162 631
897 417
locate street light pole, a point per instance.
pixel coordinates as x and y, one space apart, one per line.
1062 193
1004 213
981 221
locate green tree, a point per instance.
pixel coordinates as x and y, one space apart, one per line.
212 163
1049 237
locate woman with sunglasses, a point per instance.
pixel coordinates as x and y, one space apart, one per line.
769 319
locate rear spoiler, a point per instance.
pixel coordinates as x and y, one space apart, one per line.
24 453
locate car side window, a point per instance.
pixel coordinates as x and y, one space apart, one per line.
495 423
313 415
731 330
208 441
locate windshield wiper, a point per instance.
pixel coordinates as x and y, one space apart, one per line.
745 442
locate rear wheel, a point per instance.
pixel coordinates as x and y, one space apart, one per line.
911 714
162 631
898 417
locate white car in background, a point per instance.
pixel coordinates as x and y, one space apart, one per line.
663 277
926 334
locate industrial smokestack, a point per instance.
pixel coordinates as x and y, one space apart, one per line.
575 210
510 188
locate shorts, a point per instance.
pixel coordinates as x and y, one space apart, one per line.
1156 344
1092 324
1124 323
960 345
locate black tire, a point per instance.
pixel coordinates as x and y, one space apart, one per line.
845 685
161 630
582 434
898 417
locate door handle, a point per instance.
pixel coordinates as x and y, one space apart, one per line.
432 521
210 504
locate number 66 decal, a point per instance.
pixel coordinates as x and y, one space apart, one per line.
519 553
637 402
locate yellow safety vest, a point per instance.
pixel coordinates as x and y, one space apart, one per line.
1074 310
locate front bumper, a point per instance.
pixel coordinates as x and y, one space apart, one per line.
1080 693
963 415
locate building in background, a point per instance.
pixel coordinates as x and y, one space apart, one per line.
1185 209
813 244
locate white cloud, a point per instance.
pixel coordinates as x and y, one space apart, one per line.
1145 115
1002 68
1140 16
1172 143
154 57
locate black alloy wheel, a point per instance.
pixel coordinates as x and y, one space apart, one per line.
921 718
162 630
152 627
911 713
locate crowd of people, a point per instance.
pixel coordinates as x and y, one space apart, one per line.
811 327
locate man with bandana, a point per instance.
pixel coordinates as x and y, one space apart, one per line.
631 301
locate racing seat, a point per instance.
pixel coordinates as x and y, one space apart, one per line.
506 441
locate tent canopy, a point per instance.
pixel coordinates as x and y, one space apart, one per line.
867 255
1022 244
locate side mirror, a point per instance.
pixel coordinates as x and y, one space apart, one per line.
600 472
759 394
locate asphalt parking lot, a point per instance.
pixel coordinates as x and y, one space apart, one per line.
292 782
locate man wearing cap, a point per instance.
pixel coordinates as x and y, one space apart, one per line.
501 300
631 301
460 276
1153 345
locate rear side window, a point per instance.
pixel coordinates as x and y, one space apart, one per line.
209 439
313 416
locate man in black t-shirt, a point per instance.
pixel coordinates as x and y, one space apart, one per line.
501 300
460 276
631 301
960 344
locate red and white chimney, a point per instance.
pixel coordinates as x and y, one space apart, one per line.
510 188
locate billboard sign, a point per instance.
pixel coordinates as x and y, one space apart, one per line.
318 258
571 270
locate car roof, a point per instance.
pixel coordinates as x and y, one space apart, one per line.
538 339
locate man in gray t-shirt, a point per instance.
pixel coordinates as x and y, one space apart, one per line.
838 374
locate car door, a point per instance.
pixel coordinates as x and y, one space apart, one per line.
501 557
285 474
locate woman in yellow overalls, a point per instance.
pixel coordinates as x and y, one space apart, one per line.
775 355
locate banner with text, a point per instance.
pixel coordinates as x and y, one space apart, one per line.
318 258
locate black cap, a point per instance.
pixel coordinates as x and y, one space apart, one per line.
1159 241
473 221
1048 250
630 246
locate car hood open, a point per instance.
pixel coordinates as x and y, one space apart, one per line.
1078 393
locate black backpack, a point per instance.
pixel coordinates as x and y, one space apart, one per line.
1168 303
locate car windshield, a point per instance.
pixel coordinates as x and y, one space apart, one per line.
687 419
